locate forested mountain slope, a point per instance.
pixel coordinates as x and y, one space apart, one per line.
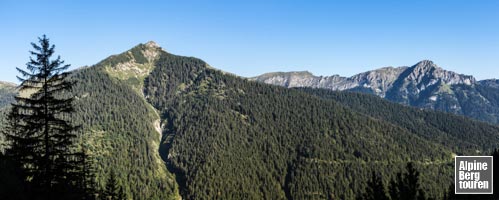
225 137
456 132
119 133
118 125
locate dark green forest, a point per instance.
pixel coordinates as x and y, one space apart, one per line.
40 156
222 128
460 134
119 134
225 137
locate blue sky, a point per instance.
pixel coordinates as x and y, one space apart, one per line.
253 37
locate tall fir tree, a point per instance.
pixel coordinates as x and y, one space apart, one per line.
121 194
111 191
395 186
411 182
89 184
375 189
39 133
407 186
12 185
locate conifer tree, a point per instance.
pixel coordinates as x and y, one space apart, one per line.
395 186
12 185
39 134
375 189
88 173
111 192
411 182
407 186
121 194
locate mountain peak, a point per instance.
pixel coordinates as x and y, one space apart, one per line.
135 64
425 65
425 62
301 73
152 44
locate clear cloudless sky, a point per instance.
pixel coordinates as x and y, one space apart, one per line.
253 37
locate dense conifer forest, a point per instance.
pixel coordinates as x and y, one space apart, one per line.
462 135
119 133
300 146
225 137
39 151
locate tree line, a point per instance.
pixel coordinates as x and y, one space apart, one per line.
407 185
40 159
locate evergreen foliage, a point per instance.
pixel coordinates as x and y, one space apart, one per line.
13 185
225 137
229 138
40 138
113 191
119 134
375 189
407 185
403 186
460 134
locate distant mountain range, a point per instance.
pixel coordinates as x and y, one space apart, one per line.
423 85
172 127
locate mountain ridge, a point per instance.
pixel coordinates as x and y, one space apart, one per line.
424 85
225 137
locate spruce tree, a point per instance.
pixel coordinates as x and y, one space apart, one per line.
39 133
411 182
121 194
375 189
88 177
396 186
111 192
407 186
12 185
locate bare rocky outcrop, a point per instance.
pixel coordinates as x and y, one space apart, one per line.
379 81
424 85
151 52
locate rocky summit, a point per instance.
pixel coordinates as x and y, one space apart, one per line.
423 85
172 127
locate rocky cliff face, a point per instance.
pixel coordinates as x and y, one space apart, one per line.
377 80
424 85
